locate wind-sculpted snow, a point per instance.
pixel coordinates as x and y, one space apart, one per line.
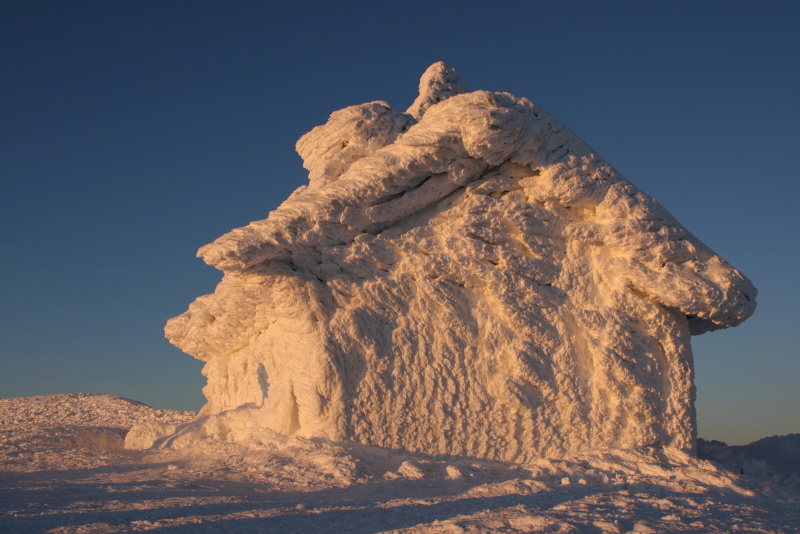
466 278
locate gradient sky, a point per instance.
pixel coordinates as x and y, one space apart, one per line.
132 133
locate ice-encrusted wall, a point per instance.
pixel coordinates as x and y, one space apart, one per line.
464 278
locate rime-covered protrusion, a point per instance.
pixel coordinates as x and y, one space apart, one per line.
477 283
349 135
438 83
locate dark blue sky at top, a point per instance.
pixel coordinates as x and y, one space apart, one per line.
132 133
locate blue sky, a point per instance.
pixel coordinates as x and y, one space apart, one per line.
132 133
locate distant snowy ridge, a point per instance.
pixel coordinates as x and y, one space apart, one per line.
43 432
466 278
78 420
783 452
777 457
83 409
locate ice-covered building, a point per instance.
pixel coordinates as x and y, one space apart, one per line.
467 277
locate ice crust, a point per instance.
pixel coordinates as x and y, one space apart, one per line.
466 278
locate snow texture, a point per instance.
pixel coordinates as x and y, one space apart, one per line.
76 425
468 278
312 485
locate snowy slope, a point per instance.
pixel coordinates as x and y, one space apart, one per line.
83 409
40 432
304 485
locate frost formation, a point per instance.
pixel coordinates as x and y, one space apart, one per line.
465 278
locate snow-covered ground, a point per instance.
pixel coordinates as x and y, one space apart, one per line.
63 469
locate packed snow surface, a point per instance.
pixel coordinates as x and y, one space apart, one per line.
464 278
313 485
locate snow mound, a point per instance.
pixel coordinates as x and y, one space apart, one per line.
468 278
34 430
83 409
